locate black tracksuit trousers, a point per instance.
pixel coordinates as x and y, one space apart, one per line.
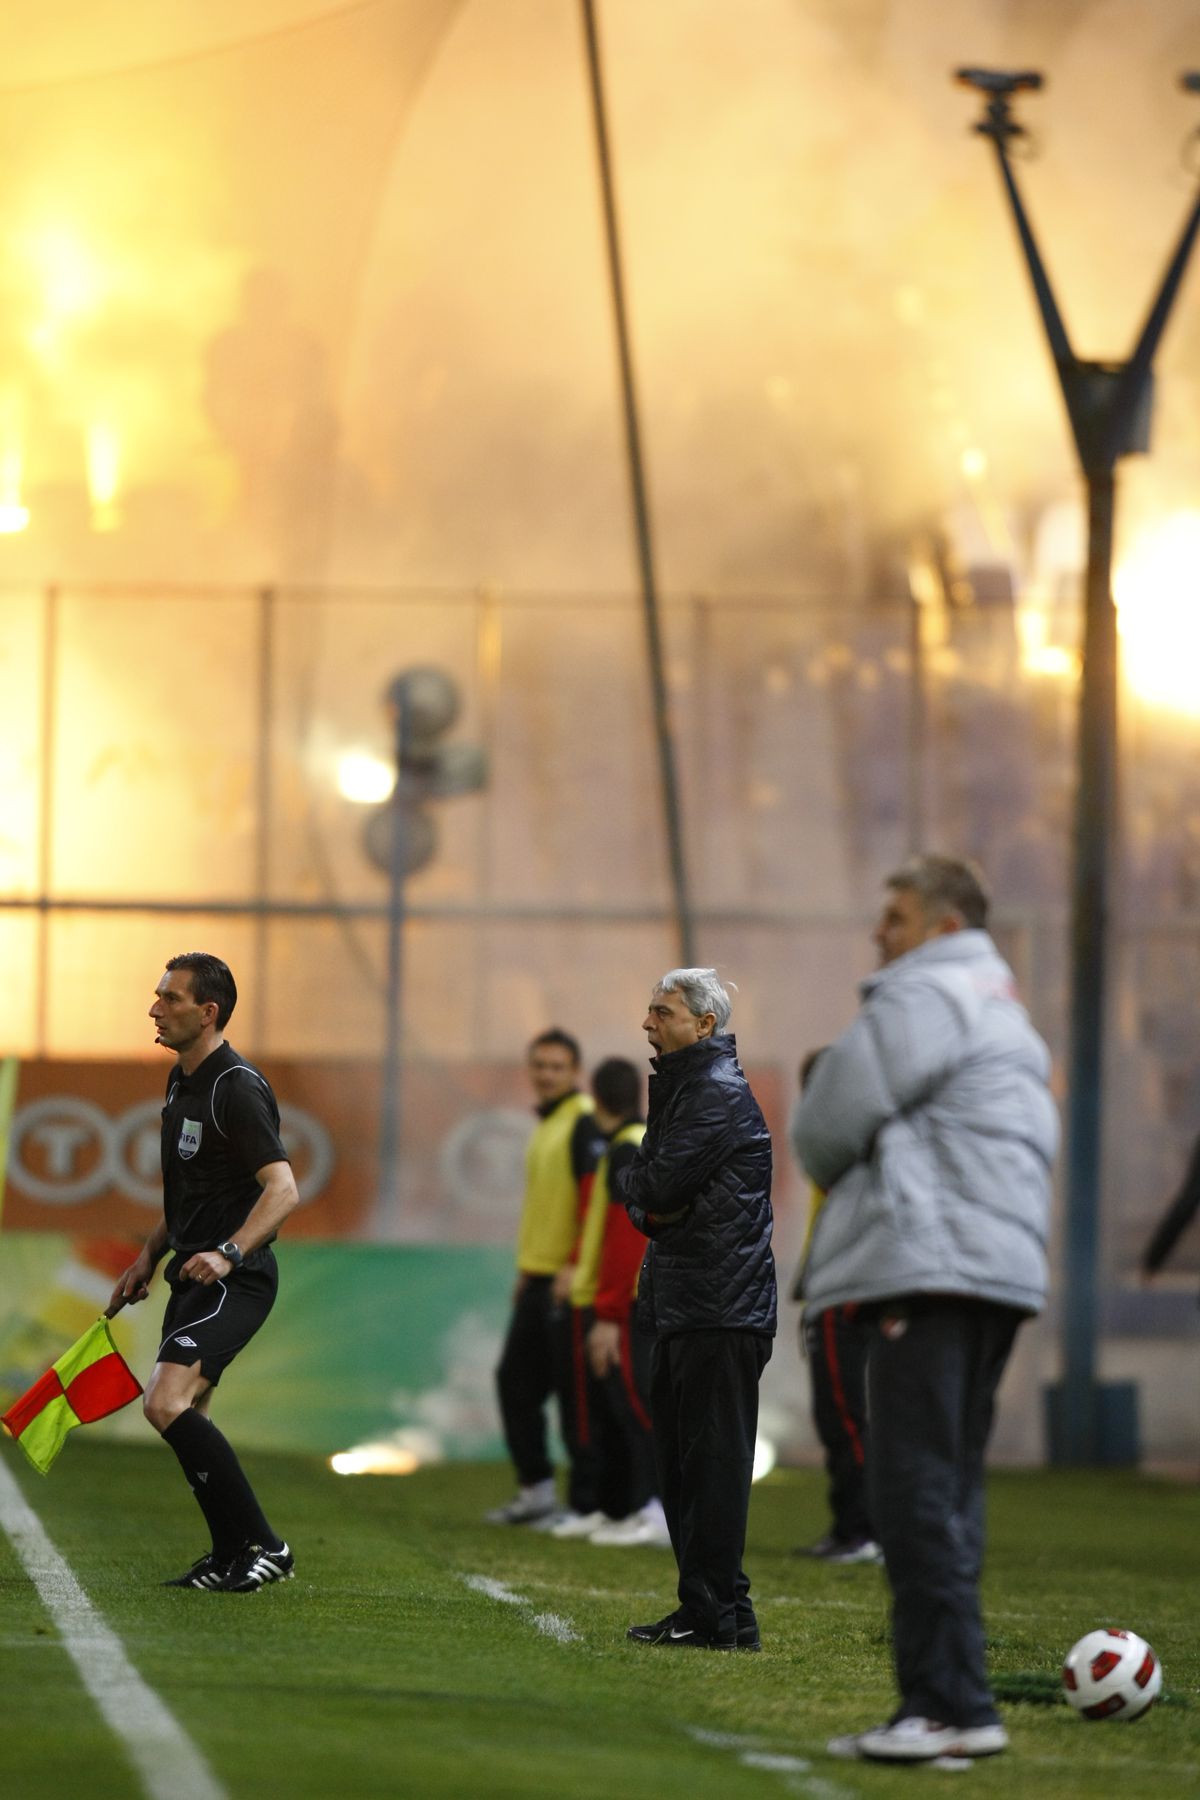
704 1404
836 1342
543 1357
525 1380
933 1368
626 1476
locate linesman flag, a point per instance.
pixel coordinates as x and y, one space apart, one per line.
89 1381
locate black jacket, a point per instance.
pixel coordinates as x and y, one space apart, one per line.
699 1187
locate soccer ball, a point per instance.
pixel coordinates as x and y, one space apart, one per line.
1112 1675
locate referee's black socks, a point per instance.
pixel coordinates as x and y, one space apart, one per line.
216 1478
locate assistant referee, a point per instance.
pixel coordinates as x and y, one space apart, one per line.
227 1188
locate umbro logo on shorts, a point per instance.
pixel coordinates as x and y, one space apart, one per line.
187 1342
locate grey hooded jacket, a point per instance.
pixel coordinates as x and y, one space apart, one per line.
931 1126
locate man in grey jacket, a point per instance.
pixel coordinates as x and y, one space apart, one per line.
931 1126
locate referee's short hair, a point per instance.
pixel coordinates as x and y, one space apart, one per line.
211 980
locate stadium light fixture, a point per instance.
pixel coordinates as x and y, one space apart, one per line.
1108 405
363 778
422 705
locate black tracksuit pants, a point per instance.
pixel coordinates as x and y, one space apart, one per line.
932 1372
836 1342
704 1404
626 1475
525 1380
543 1357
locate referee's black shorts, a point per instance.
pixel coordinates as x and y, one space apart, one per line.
213 1323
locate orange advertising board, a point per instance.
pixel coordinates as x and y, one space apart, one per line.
84 1149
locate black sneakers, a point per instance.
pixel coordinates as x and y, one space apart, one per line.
676 1632
253 1568
205 1572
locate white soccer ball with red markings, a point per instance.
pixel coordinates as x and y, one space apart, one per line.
1112 1675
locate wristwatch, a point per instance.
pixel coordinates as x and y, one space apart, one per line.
231 1253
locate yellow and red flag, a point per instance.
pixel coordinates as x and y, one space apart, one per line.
89 1381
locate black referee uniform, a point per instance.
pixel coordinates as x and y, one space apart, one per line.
220 1125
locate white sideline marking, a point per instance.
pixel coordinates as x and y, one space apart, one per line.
169 1764
549 1624
718 1740
495 1590
561 1630
797 1771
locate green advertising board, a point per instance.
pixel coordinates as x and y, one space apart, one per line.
368 1344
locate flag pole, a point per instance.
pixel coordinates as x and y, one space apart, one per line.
8 1100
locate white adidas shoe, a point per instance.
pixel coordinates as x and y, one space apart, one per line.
924 1740
647 1526
529 1504
579 1525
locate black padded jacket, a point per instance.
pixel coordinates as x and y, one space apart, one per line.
699 1187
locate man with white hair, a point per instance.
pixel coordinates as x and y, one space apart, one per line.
931 1127
699 1187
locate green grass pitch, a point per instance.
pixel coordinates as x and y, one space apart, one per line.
380 1671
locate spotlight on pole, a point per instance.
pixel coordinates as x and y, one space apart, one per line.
400 838
998 86
1000 81
422 705
1108 406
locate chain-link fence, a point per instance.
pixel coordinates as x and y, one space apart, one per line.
175 772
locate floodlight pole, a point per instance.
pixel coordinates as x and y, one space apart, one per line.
387 1199
422 704
1108 405
667 767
